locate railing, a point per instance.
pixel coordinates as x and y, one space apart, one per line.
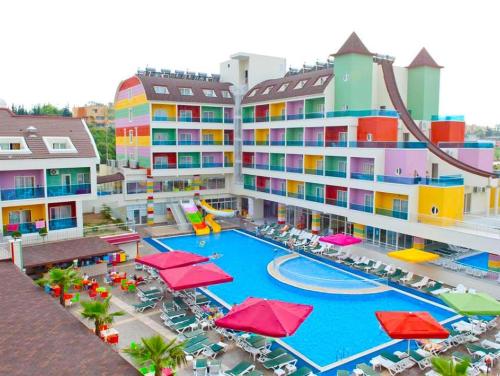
315 115
261 119
248 142
388 145
228 120
190 142
212 164
277 143
65 190
62 223
164 142
277 168
262 166
22 193
205 119
448 118
336 144
249 186
313 171
361 176
391 213
102 191
278 192
278 118
363 208
331 201
23 228
228 142
164 166
443 181
136 188
263 189
249 119
294 143
314 143
248 165
362 113
334 173
467 145
296 195
188 119
163 118
5 251
189 165
294 116
211 142
297 170
228 164
315 199
262 143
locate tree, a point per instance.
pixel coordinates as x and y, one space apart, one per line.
448 367
99 312
64 278
154 350
104 138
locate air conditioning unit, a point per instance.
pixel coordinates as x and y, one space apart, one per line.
53 172
475 189
483 189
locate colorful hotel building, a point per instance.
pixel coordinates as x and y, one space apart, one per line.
354 145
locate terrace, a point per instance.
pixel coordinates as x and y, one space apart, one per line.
188 160
315 192
362 168
262 137
211 136
294 163
295 137
277 162
262 161
278 111
164 136
68 181
188 136
314 136
278 186
391 205
248 159
22 185
335 166
212 159
228 159
295 189
336 136
248 137
278 136
314 165
263 184
361 200
164 161
336 196
249 182
295 110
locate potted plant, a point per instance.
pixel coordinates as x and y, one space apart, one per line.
16 234
43 232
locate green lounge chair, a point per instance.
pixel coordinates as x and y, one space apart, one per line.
200 363
367 370
398 274
302 371
177 320
193 341
180 304
279 362
201 299
241 369
172 314
472 349
154 291
437 286
379 270
273 354
197 348
193 334
142 306
214 349
185 325
422 361
255 373
343 372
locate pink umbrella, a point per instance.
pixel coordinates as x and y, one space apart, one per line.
192 276
271 318
340 239
169 260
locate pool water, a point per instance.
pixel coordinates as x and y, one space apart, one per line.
311 272
479 261
338 327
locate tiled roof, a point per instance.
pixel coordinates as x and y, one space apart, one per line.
65 251
39 337
424 59
110 178
12 125
174 95
353 45
308 89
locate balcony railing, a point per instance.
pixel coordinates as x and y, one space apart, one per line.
228 120
332 201
211 142
22 193
388 145
189 142
363 208
296 195
315 115
249 119
163 166
163 142
66 190
362 113
228 164
228 142
163 118
443 181
188 119
315 198
62 223
189 165
297 170
294 116
361 176
336 144
248 142
249 186
314 171
263 189
248 165
294 143
262 143
23 228
467 145
278 192
336 174
212 164
261 119
314 143
448 118
277 168
205 119
262 166
278 118
392 213
277 143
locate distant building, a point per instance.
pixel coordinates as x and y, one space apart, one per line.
94 113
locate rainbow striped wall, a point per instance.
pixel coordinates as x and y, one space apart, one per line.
132 133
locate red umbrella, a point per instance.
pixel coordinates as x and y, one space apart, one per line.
340 239
271 318
192 276
169 260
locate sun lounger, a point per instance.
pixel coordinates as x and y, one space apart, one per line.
397 275
480 350
407 278
490 344
179 303
421 284
367 370
142 306
392 363
279 362
176 320
214 349
421 360
241 369
343 372
172 314
153 291
302 371
197 348
467 327
273 354
192 323
254 373
379 269
194 340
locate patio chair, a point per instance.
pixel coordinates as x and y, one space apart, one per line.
241 369
302 371
393 363
421 358
196 349
273 354
172 314
481 351
176 320
367 370
280 362
214 349
490 344
179 303
192 323
200 367
214 367
142 306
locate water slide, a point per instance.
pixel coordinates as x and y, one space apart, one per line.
211 210
193 215
397 102
210 221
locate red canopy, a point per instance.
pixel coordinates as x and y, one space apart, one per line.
271 318
340 239
188 277
411 325
169 260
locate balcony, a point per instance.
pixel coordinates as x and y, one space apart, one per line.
262 143
314 143
331 201
66 190
228 164
163 142
248 165
336 144
249 186
448 118
22 193
248 120
443 181
361 176
261 119
263 189
212 164
388 144
228 142
296 195
228 120
278 118
163 118
315 115
189 142
297 170
211 142
262 166
336 174
391 213
277 143
359 207
362 113
294 143
62 223
314 172
189 165
278 192
467 145
211 120
23 228
189 119
277 168
164 166
295 117
248 142
315 199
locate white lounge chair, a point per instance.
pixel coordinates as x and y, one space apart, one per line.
422 283
408 278
467 327
460 289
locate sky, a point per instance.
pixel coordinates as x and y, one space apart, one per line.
72 52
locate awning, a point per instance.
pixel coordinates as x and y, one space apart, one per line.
472 304
192 276
110 178
122 238
271 318
340 239
413 255
169 260
410 325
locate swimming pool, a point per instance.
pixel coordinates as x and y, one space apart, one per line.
339 327
479 261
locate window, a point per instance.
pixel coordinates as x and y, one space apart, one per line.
208 159
342 136
131 136
368 201
345 107
254 91
13 145
283 87
60 212
19 216
342 196
160 114
161 161
208 137
321 81
367 168
24 182
10 146
59 145
267 90
186 160
300 84
185 137
185 115
226 94
161 90
209 93
130 114
186 91
209 115
83 178
342 166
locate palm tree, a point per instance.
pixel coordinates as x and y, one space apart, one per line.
99 312
448 367
154 350
64 278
